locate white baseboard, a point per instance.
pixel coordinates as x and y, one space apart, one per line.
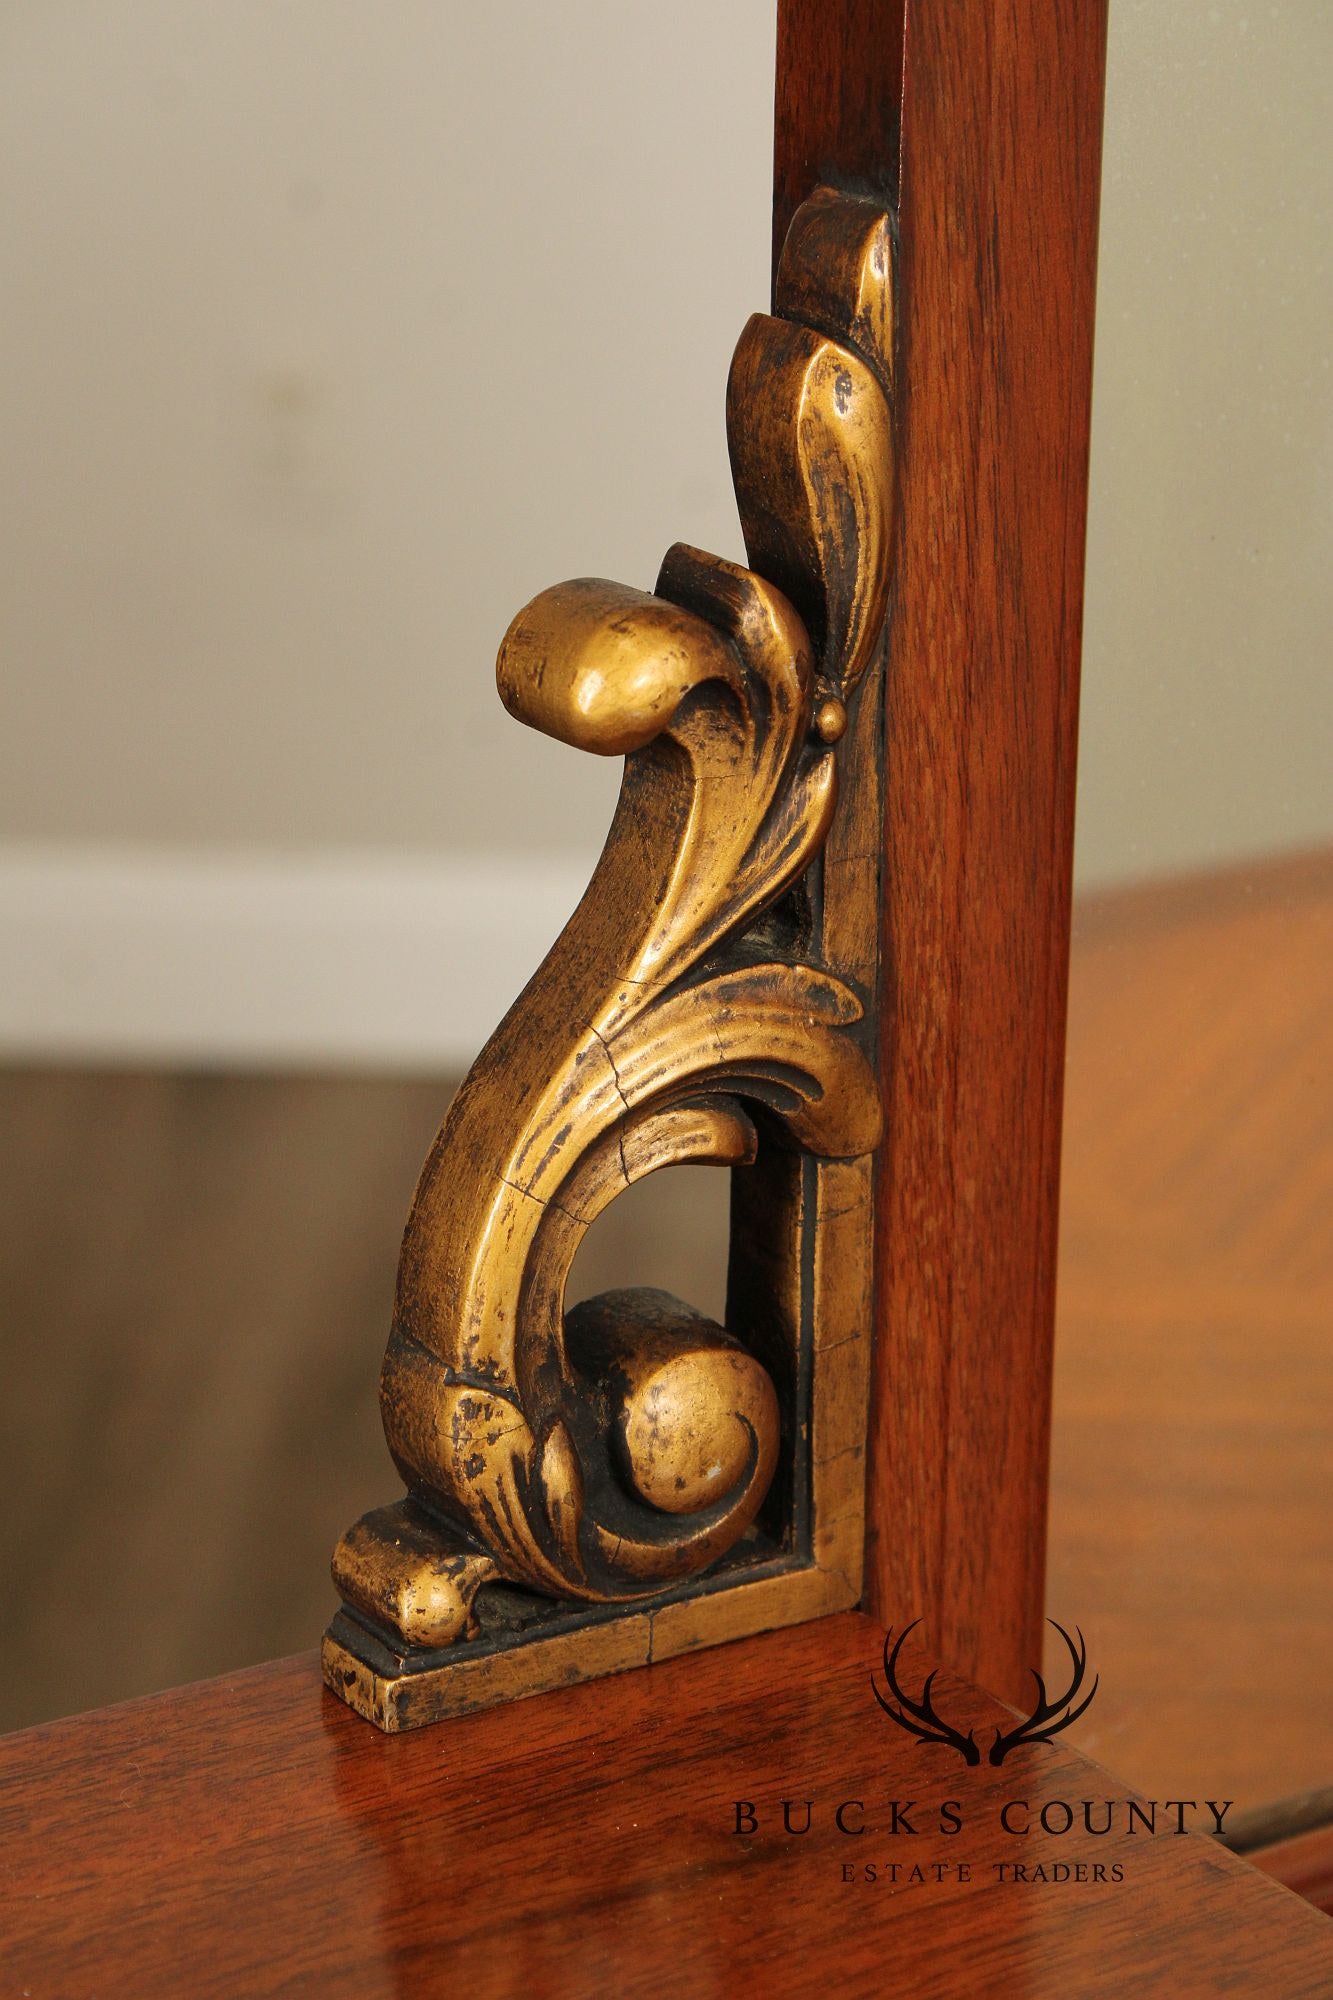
264 960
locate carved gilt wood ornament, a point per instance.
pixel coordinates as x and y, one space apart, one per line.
593 1488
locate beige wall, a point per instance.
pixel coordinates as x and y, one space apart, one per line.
1207 726
332 331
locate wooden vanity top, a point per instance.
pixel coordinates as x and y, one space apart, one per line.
251 1836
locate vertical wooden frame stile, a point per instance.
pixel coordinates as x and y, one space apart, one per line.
982 123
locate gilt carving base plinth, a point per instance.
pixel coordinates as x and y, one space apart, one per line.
592 1489
526 1644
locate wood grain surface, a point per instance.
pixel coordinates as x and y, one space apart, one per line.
1192 1477
1304 1864
996 166
253 1836
837 101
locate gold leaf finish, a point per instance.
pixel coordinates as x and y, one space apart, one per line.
686 1015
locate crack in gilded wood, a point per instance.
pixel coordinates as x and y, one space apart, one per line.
650 1447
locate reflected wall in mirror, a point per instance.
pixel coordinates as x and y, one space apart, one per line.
1192 1496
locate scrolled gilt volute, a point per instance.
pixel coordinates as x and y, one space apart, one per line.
689 1013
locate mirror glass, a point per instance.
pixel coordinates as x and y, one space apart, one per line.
333 334
1193 1431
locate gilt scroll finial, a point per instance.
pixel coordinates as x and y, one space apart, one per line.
590 1487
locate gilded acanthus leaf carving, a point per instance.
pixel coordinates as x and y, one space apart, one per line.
684 1016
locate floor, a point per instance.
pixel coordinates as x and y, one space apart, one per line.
195 1276
1192 1473
195 1282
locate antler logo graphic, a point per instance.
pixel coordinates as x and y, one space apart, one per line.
919 1719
